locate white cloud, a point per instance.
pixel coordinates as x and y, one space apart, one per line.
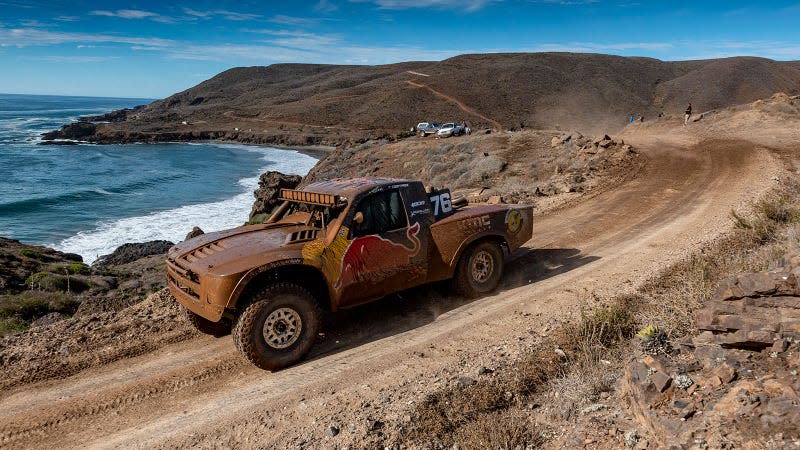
325 6
295 21
74 59
455 5
225 14
133 14
299 39
27 37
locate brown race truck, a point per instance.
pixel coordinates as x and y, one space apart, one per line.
331 245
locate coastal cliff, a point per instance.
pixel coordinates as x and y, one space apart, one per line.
314 104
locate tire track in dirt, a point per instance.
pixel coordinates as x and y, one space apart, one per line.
682 197
53 417
462 106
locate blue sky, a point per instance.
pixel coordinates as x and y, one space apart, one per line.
148 49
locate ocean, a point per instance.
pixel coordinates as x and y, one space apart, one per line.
89 199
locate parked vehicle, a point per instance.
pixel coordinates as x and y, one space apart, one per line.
426 128
451 129
332 245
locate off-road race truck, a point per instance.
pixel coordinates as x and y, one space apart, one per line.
337 244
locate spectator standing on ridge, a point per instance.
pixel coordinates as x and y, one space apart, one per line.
630 117
688 114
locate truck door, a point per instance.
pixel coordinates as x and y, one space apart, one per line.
386 253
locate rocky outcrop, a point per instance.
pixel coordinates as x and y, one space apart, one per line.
269 186
196 231
78 131
127 253
734 384
754 310
18 262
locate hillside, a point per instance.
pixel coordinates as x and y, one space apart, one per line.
330 104
642 242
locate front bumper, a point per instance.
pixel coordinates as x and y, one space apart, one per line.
189 293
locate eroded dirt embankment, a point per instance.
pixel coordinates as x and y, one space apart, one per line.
376 362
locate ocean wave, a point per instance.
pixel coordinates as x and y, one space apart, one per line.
173 224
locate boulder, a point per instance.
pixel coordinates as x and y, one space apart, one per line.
127 253
269 187
196 231
77 131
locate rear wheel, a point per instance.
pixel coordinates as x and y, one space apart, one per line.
205 326
479 270
278 327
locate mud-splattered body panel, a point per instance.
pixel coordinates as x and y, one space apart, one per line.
387 236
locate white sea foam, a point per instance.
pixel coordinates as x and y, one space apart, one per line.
173 224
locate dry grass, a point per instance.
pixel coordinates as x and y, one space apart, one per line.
505 430
493 414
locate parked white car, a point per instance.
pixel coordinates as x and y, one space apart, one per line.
426 128
451 129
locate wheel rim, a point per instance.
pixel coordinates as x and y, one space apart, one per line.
482 266
282 328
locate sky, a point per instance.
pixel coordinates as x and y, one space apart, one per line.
149 49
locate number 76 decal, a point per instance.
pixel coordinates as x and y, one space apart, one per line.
441 204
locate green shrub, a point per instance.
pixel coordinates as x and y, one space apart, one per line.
75 268
48 281
405 134
31 305
31 253
33 280
12 326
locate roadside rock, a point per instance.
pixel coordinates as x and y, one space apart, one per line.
269 186
738 382
754 310
77 131
196 231
127 253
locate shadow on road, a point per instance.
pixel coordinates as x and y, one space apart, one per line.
422 305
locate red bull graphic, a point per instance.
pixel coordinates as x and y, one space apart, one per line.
373 258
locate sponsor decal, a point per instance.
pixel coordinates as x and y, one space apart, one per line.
513 221
420 211
475 224
370 259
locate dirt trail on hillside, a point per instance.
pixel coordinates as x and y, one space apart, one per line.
456 102
201 391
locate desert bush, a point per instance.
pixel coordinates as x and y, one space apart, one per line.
443 412
31 305
405 134
504 431
30 253
75 268
12 325
47 281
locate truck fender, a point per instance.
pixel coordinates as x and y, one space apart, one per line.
488 236
245 280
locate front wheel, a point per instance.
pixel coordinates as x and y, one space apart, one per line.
479 270
278 327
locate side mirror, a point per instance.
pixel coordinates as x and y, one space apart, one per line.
359 218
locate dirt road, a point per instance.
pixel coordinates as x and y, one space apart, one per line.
375 361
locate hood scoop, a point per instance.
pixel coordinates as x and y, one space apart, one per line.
302 236
204 251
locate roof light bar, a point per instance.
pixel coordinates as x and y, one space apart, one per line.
313 198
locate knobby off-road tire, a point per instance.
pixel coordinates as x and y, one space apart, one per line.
278 327
205 326
479 270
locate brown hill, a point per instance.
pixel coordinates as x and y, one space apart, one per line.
330 103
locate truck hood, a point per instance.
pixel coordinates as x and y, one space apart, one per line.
238 249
